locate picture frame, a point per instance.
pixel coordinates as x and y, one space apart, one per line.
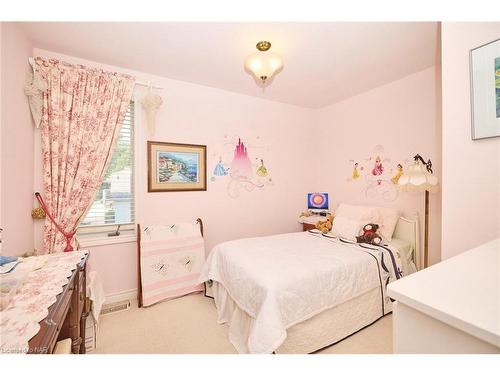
485 90
176 167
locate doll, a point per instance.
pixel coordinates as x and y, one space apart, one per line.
262 171
398 175
378 169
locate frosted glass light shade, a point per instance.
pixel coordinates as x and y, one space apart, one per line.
263 65
417 178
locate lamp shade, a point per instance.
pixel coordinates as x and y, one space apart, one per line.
417 178
263 65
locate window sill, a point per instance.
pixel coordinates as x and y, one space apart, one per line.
93 240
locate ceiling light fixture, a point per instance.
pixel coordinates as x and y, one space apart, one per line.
263 65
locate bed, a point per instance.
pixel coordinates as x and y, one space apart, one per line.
301 292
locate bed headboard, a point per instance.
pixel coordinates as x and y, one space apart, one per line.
408 230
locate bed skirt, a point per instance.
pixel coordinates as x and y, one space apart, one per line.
318 332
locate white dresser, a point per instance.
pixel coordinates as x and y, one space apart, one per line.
451 307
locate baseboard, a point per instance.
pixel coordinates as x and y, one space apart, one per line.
121 296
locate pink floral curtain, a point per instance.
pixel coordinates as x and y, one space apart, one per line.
82 113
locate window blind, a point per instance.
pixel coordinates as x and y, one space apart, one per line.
114 203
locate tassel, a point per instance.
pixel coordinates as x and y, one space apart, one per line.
68 236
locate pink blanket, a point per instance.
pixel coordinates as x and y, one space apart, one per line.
171 260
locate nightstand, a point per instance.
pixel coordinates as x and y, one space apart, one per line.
307 226
309 222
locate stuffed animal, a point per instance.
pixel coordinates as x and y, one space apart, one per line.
325 226
370 235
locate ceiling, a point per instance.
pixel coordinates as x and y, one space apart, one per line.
324 62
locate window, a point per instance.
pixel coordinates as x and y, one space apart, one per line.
114 203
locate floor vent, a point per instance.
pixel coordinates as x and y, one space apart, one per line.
115 307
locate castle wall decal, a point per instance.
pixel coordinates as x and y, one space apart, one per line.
245 172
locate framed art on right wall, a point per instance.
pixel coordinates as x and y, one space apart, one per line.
485 90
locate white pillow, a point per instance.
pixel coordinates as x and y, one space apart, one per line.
344 227
385 217
363 214
388 218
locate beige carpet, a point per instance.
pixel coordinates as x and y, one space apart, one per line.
188 325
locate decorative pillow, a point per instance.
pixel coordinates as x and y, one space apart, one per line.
364 214
385 217
388 218
345 228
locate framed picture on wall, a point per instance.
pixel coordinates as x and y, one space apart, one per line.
485 90
176 167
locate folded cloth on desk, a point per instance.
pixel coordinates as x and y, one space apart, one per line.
5 260
26 264
7 264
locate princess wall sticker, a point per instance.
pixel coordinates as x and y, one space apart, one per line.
398 174
239 170
378 169
262 171
355 172
378 175
219 169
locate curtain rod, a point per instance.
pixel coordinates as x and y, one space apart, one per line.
140 83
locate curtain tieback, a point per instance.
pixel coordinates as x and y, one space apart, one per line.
69 236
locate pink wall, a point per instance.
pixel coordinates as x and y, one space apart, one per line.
198 114
202 115
402 116
471 169
17 144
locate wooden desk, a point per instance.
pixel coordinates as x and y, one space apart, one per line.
66 317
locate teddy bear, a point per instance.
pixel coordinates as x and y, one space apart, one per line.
370 235
325 226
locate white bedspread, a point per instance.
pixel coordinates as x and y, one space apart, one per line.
285 279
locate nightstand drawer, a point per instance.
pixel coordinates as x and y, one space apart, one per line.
306 226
